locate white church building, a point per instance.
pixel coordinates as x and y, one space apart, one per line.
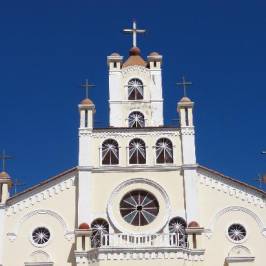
138 195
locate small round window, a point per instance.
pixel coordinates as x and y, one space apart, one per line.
237 232
40 236
139 207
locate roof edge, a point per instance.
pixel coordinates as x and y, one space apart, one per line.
233 180
30 189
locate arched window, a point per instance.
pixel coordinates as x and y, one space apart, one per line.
177 229
135 89
110 152
164 151
137 152
136 120
99 228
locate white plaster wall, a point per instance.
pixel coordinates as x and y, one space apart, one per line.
223 203
53 206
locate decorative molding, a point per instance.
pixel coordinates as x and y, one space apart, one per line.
162 253
230 188
209 230
40 196
136 70
125 133
239 253
69 235
187 131
139 168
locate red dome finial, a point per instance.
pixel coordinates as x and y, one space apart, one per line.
84 226
134 51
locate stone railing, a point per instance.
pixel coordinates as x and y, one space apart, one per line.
143 241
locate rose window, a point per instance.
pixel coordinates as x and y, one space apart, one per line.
41 235
136 120
139 207
237 232
135 89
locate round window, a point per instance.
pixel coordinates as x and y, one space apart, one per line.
139 207
40 236
237 232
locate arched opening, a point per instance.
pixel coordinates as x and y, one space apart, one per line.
99 227
177 229
135 89
137 152
164 151
136 120
110 152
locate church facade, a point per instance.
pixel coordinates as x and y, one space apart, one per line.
138 195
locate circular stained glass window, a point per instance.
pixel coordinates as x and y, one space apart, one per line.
41 235
139 207
237 232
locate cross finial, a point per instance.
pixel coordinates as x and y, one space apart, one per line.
185 84
4 158
134 31
87 86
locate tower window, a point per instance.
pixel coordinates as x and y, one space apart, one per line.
136 120
177 227
135 89
99 227
164 151
137 152
110 152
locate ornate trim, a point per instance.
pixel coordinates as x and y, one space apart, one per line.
233 190
136 70
129 134
69 235
38 197
210 228
162 253
187 131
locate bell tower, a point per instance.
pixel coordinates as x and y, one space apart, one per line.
135 87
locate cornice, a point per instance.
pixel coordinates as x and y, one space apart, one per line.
156 168
40 194
232 187
162 253
128 132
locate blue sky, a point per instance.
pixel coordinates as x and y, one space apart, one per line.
48 47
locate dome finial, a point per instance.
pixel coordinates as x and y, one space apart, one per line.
134 31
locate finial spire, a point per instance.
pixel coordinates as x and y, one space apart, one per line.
4 158
134 31
185 84
87 86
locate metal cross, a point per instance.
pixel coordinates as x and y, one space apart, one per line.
16 184
87 86
4 158
134 31
261 179
185 85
